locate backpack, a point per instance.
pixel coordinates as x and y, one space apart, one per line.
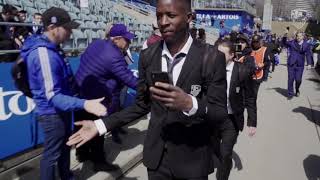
19 73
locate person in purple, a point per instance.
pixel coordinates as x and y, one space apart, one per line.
223 31
103 72
298 52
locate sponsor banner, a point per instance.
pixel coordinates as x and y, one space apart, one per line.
19 130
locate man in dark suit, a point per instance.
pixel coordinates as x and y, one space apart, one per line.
240 94
184 113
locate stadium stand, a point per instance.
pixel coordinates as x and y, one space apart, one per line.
94 18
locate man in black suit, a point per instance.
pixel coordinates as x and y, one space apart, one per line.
184 113
240 95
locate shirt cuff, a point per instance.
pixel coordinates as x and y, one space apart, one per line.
100 126
194 108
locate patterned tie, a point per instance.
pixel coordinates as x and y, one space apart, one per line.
171 64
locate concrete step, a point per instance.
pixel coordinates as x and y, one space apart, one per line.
124 156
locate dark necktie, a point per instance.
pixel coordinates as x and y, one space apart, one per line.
171 64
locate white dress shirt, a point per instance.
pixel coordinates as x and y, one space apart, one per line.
166 55
229 69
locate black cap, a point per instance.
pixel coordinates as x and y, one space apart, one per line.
256 38
58 17
243 37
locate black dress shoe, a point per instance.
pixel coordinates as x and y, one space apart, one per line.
297 93
289 97
122 131
104 166
82 157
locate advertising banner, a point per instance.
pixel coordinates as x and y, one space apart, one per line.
19 131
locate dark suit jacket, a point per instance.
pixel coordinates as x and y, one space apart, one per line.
241 96
186 139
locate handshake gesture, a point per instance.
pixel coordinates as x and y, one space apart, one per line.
95 107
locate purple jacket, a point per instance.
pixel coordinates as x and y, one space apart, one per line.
298 54
103 72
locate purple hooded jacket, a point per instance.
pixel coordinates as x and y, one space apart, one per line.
103 72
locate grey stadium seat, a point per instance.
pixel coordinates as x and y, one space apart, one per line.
13 2
79 39
39 5
26 4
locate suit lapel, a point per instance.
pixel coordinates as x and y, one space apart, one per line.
157 59
192 58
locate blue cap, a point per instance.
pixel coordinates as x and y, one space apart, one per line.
121 30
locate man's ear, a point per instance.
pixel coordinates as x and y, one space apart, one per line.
189 16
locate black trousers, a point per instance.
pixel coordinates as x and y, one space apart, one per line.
163 172
94 149
228 133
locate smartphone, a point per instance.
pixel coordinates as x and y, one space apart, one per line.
159 77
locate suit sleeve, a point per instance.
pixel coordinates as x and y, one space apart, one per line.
309 56
137 110
250 102
216 105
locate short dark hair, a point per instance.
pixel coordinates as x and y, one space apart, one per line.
37 14
7 8
228 44
23 11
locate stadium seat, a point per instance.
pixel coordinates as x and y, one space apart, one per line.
69 4
101 25
0 8
84 17
39 5
59 3
101 34
73 16
89 34
26 4
75 9
82 25
67 8
31 10
79 39
13 2
90 24
85 11
93 17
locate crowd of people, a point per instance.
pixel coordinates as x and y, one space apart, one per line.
197 104
13 36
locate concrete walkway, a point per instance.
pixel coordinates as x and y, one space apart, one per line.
287 143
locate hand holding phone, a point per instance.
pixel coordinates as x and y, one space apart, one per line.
160 77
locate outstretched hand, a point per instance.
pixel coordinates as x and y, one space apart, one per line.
95 107
86 133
